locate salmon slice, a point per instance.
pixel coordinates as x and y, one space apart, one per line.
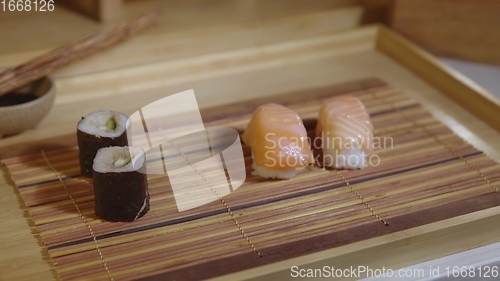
346 132
278 140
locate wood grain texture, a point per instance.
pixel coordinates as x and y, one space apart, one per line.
376 11
104 11
353 57
45 64
45 31
285 219
42 32
417 244
464 29
111 10
472 97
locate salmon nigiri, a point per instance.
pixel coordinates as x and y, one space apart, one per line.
279 142
346 132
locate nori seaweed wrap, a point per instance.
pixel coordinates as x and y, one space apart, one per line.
120 184
97 130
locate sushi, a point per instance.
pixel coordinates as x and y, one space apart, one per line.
120 184
96 130
279 142
346 132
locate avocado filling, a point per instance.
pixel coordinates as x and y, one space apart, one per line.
122 161
110 126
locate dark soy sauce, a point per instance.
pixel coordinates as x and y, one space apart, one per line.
14 98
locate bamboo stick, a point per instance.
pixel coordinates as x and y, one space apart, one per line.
38 67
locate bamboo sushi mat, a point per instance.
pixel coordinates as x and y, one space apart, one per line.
429 174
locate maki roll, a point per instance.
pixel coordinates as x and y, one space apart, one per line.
96 130
120 184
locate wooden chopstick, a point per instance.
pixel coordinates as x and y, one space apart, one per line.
42 65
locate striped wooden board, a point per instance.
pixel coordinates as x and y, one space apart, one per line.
426 174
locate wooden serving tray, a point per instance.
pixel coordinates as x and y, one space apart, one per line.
423 173
320 217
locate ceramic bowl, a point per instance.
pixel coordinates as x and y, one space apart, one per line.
27 107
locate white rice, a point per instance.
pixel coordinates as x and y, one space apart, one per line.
91 123
107 156
345 158
269 173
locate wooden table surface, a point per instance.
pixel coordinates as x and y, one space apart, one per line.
114 79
